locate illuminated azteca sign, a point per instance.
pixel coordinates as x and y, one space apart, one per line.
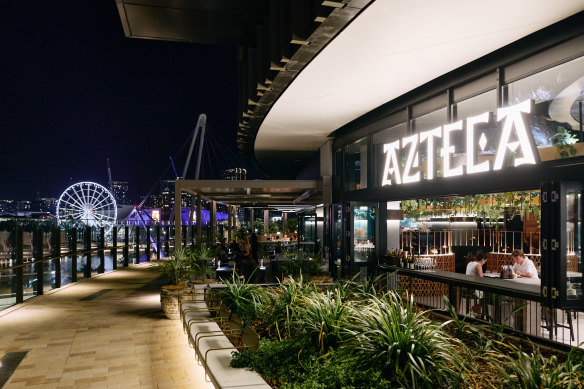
515 141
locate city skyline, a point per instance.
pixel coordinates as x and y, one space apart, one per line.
76 91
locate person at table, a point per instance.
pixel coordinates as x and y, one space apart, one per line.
253 242
220 253
475 267
245 247
247 264
523 267
234 248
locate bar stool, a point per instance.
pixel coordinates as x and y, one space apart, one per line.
550 319
469 295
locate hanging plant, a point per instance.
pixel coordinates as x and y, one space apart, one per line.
563 141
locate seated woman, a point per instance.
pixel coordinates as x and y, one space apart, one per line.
475 268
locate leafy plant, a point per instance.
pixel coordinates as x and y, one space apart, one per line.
298 262
497 328
241 232
563 141
199 256
466 332
241 297
275 227
259 225
320 316
277 360
292 225
408 347
292 363
518 369
176 268
282 311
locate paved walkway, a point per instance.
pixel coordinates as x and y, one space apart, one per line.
104 332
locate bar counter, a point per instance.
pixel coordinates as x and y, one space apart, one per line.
523 288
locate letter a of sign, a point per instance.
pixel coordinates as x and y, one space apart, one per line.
391 165
514 119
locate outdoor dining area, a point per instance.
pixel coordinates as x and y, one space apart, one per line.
433 262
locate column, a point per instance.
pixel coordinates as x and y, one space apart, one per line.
266 221
284 223
177 214
229 222
199 220
213 212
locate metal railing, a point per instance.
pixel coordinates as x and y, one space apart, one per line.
440 241
34 262
507 309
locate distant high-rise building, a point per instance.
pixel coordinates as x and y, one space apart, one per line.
154 201
120 192
23 206
235 174
7 206
167 198
44 204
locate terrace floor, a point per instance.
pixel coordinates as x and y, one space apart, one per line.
104 332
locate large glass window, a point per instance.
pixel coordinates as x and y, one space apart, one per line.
429 122
356 165
379 139
486 135
557 93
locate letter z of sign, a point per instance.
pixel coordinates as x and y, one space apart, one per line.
412 160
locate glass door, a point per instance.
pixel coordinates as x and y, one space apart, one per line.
570 277
364 232
562 237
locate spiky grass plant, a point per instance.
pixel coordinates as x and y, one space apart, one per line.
177 268
407 346
518 369
241 297
278 312
320 316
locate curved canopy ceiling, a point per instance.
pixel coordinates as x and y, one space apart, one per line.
391 48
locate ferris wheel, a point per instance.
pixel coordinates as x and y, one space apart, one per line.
89 203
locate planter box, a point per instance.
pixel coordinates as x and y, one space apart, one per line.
321 278
169 298
551 153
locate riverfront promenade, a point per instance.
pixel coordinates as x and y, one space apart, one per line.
103 332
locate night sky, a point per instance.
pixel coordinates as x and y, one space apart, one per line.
75 91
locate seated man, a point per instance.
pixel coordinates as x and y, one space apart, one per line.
522 266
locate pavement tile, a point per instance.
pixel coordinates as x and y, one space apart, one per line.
113 341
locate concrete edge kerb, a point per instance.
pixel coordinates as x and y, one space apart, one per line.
217 370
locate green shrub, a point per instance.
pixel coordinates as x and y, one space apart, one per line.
409 348
241 297
294 364
277 360
275 312
320 316
517 369
176 268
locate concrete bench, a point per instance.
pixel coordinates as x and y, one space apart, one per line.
213 348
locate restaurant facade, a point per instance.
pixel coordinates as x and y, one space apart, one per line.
418 176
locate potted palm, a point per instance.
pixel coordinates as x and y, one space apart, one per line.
199 255
177 270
